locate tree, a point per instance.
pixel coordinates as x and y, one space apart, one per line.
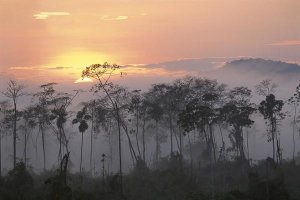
153 108
60 114
4 111
236 112
81 118
42 112
103 73
27 126
271 109
14 91
265 87
202 113
135 109
294 101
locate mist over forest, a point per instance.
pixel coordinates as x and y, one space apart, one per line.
201 136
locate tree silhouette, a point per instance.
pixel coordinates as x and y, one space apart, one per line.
294 101
103 73
14 91
27 126
42 108
60 114
81 118
271 109
4 112
236 112
202 113
154 110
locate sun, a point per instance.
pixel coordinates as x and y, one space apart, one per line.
72 63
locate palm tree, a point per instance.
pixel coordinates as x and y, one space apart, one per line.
81 118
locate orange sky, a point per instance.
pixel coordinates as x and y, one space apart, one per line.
43 37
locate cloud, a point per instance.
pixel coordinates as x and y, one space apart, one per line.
58 68
286 43
22 68
39 68
117 18
83 80
45 15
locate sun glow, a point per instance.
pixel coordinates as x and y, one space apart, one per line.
72 63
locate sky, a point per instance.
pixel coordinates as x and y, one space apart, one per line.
53 39
45 41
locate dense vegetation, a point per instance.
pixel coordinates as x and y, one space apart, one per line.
202 123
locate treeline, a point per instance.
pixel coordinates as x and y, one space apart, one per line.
188 116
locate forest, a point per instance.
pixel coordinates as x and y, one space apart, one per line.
185 140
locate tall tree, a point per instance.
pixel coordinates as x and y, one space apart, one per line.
202 112
102 73
236 112
4 112
294 101
14 91
155 112
60 114
27 126
42 108
271 109
81 118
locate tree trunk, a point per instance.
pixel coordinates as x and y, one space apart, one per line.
25 146
191 155
15 134
144 144
134 157
0 156
157 145
91 150
120 149
294 127
171 134
180 141
211 155
44 148
81 152
273 137
137 133
59 152
248 152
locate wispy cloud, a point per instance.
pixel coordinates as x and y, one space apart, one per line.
45 15
22 68
117 18
39 68
286 43
58 68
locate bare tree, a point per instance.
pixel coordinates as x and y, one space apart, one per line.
103 73
294 101
14 91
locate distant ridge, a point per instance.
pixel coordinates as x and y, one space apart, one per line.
262 66
250 65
